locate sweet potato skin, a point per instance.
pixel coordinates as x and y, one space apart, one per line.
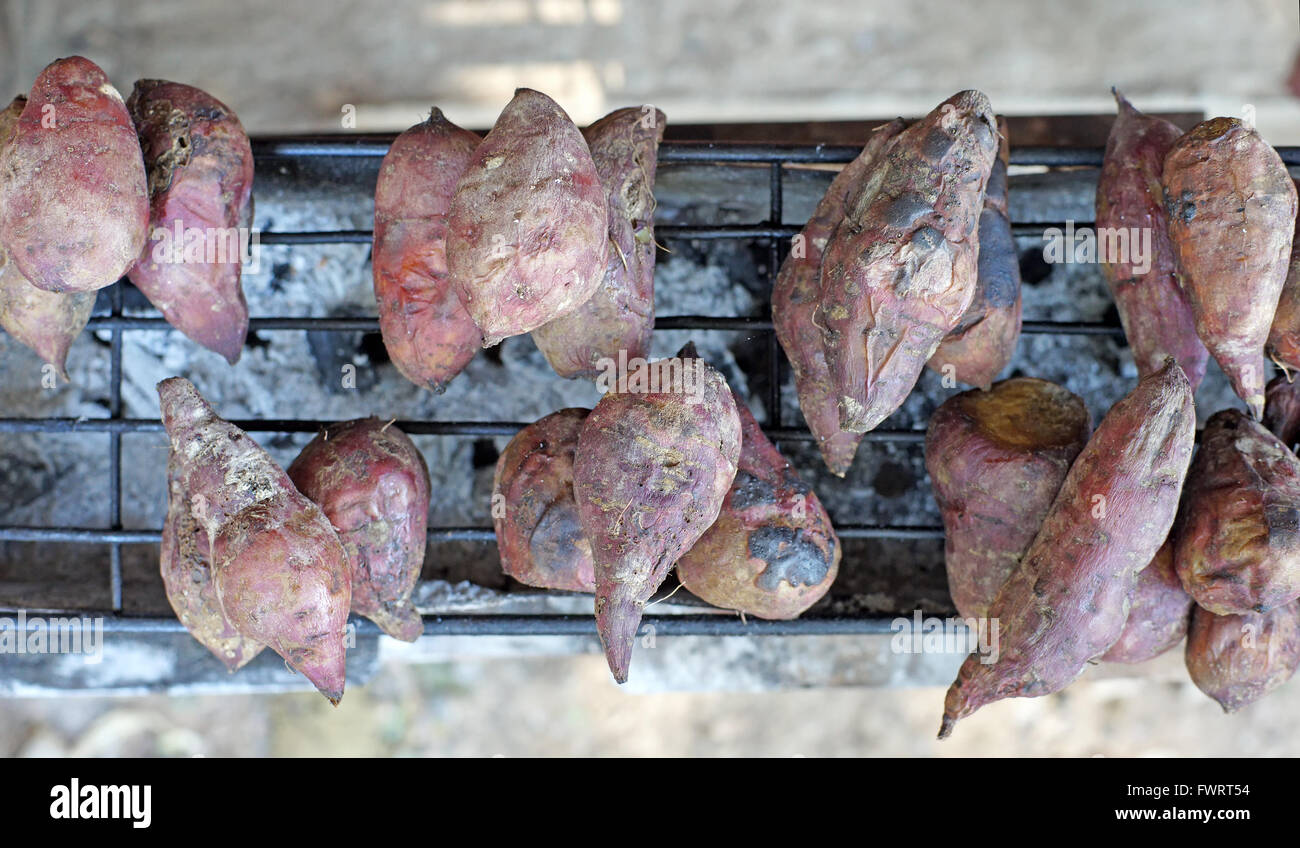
539 532
1284 333
200 168
984 340
651 471
186 567
1231 208
772 553
1282 409
429 334
1159 610
373 486
280 572
1067 601
794 302
1238 659
1239 527
995 472
1153 308
528 228
620 314
46 322
74 209
900 268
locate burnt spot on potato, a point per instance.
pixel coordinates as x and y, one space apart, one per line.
748 490
790 557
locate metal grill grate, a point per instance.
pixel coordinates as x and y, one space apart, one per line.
773 232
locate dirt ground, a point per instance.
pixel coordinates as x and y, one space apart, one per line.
298 65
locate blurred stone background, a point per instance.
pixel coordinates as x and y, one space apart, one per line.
296 65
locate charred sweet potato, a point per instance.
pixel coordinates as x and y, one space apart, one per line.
1231 208
1068 600
200 168
1153 308
46 322
74 209
996 460
984 340
772 553
373 486
1239 527
794 302
1284 334
900 268
1158 612
1282 409
654 462
539 533
1238 659
280 572
187 576
620 314
528 230
429 334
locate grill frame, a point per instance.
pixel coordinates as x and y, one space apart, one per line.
720 623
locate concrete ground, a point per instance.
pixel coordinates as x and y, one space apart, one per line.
300 65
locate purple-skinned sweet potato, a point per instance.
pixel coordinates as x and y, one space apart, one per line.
772 553
200 167
539 533
1153 308
186 568
528 230
654 462
1282 409
429 335
620 315
1238 547
900 268
1284 333
280 572
74 209
794 302
373 486
1238 659
1158 612
984 340
1231 209
46 322
1067 602
997 460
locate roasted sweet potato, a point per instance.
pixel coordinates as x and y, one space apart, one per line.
200 168
187 576
1231 208
794 302
1282 409
281 574
1238 659
429 335
74 209
528 230
900 268
654 462
1068 600
1238 531
373 486
772 552
620 315
996 460
1159 610
539 534
984 340
1153 308
46 322
1284 333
